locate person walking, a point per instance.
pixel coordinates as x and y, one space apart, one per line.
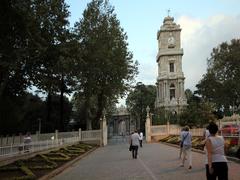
140 138
27 142
216 162
186 138
181 144
135 143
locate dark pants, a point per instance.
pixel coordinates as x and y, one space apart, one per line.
134 152
140 141
220 170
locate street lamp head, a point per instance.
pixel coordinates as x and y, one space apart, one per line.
104 112
148 109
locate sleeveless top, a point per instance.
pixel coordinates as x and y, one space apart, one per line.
217 149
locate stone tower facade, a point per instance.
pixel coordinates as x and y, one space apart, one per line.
170 80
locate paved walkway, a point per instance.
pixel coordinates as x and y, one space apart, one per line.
155 162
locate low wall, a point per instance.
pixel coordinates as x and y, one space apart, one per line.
161 131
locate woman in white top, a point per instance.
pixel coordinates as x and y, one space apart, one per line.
216 165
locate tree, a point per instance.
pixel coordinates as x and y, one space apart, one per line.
36 49
197 113
52 69
137 101
18 48
221 83
79 115
107 68
15 35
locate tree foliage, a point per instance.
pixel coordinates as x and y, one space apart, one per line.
137 101
221 84
33 37
197 113
107 67
38 50
15 32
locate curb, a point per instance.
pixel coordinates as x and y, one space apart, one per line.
65 166
202 152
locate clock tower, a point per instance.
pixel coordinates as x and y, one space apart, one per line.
170 79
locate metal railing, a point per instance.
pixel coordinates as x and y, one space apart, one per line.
19 149
63 138
91 135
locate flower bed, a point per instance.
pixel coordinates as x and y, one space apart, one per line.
231 144
42 164
174 139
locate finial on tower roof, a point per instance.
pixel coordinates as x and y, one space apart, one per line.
168 12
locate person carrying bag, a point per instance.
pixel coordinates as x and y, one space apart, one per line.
186 144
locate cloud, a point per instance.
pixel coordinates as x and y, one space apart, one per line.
199 37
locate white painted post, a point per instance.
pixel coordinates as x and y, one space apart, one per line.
80 134
56 136
11 149
101 132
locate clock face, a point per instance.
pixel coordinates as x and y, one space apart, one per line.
171 41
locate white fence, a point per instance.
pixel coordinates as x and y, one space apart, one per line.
19 149
15 140
91 135
47 141
173 130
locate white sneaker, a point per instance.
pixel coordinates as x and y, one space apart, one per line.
181 165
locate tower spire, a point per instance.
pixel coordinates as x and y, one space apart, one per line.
168 12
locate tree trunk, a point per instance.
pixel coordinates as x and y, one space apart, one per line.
89 124
100 108
87 114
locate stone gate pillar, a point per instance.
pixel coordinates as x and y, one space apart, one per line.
103 127
148 126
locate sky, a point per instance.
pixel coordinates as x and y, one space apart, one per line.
205 24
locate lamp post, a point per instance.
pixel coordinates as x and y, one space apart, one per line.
39 125
148 110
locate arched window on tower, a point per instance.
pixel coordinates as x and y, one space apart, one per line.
171 67
172 91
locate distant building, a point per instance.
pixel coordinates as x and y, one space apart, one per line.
170 80
120 123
